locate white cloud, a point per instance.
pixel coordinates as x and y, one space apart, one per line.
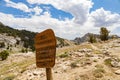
102 18
83 21
63 29
23 7
6 0
20 6
37 10
78 8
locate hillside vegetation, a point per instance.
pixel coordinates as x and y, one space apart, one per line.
26 36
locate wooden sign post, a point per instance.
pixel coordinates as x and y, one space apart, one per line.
45 45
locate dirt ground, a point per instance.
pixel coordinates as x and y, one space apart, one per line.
97 61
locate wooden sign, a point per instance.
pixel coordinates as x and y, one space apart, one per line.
45 44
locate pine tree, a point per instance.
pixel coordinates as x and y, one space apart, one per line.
104 33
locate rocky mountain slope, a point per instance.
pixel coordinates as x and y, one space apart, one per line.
85 38
23 39
10 43
98 61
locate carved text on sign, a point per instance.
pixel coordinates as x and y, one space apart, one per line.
45 44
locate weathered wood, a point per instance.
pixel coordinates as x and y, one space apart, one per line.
45 45
49 74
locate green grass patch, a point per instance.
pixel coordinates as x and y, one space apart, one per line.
10 77
97 52
99 66
63 55
98 73
107 62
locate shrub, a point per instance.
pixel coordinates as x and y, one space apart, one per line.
97 52
98 73
24 50
104 33
92 38
99 66
73 64
63 55
18 42
8 47
2 44
107 62
95 60
4 54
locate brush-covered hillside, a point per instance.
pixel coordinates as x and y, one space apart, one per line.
10 35
12 38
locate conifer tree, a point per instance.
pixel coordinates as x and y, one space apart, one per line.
104 33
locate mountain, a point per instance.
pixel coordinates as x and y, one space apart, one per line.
64 42
12 37
26 37
85 38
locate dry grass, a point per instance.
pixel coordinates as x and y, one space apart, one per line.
97 52
99 66
107 62
98 73
64 55
73 48
10 76
73 65
15 67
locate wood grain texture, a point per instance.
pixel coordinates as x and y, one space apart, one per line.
45 45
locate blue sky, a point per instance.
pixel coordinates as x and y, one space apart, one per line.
56 13
68 19
113 6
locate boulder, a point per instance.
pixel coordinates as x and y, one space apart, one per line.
117 72
115 62
84 50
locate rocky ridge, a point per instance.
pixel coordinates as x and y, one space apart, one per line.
85 38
